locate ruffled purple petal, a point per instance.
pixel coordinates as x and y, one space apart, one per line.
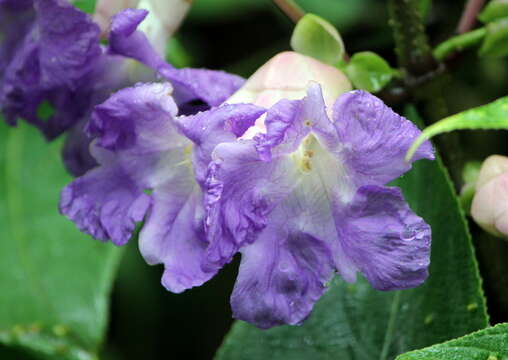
219 125
130 158
138 146
209 86
375 138
173 234
105 203
68 45
284 129
384 239
281 276
136 119
242 183
52 63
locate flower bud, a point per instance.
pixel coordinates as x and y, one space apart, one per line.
163 19
490 203
287 76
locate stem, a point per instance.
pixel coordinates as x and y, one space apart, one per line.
291 9
468 18
390 329
412 47
459 43
424 78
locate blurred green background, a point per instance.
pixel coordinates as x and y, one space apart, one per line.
147 322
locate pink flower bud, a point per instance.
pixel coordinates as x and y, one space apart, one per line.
163 19
287 76
490 203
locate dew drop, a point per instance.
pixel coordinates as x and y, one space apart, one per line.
283 266
408 234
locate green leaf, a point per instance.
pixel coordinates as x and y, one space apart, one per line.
494 10
176 54
493 116
353 321
87 6
368 71
495 43
55 280
314 36
487 344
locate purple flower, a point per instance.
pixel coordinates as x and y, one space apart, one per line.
307 198
140 149
299 190
57 48
51 53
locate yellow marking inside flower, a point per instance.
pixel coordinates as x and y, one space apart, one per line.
304 155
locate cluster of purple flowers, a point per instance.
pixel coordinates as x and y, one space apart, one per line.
296 184
51 53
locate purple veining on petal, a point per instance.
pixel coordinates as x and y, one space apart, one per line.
218 125
51 63
105 203
384 239
281 276
173 234
283 127
375 138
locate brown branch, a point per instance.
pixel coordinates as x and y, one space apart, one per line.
468 18
291 9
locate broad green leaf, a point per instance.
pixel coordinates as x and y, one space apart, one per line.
315 37
368 71
495 43
55 280
494 10
487 344
353 321
493 116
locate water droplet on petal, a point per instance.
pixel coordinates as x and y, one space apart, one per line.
408 234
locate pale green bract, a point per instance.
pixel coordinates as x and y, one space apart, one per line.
313 36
